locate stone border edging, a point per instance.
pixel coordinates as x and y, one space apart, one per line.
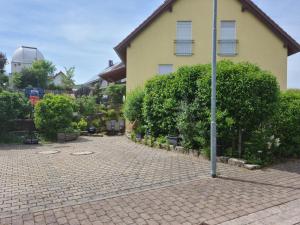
195 153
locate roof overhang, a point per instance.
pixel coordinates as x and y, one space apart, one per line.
115 74
291 44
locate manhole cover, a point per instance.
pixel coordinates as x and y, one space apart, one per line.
82 153
48 152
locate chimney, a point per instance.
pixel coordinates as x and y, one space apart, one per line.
110 63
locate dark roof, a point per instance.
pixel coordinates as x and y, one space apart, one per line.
291 44
57 74
114 73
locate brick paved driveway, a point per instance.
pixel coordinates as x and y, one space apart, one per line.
125 183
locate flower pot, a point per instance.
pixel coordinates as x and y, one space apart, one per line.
173 140
31 141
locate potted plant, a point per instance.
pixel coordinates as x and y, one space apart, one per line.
31 139
140 132
173 138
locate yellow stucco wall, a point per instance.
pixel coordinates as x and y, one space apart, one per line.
155 45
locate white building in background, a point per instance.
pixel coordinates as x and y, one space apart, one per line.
57 79
23 57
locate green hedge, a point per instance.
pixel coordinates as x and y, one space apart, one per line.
249 107
286 124
246 97
12 106
163 97
133 106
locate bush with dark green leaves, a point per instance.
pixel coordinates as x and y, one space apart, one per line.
286 124
133 106
115 93
86 105
246 97
52 114
12 106
163 97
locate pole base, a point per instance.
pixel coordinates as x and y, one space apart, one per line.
214 175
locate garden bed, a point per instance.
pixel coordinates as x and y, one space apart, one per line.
195 153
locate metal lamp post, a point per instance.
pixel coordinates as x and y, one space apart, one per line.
213 144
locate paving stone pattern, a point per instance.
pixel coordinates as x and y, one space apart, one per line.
127 183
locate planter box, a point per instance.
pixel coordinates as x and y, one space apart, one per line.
173 140
64 137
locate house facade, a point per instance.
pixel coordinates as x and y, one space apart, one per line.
179 33
57 79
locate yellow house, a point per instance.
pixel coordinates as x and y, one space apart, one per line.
179 33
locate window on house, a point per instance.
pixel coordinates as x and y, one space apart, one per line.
165 69
184 39
228 42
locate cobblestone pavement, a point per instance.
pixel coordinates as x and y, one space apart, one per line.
126 183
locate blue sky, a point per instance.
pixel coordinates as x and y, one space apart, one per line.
83 33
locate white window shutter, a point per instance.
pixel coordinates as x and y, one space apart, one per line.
165 69
228 30
184 38
228 43
184 30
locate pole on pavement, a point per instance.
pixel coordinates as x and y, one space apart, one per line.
213 139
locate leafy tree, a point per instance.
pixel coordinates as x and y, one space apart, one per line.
3 81
3 62
68 79
116 92
12 106
3 77
86 105
36 76
98 93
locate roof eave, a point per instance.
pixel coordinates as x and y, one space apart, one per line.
121 47
290 43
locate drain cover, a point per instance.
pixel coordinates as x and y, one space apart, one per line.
48 152
82 153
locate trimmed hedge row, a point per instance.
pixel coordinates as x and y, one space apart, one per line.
250 108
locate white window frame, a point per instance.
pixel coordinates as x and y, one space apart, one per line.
230 42
166 71
184 41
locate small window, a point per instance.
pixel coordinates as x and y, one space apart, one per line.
184 38
165 69
228 42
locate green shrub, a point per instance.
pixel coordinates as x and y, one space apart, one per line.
206 153
262 147
82 124
163 97
190 129
286 124
112 114
52 114
12 106
246 97
133 106
115 92
86 105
